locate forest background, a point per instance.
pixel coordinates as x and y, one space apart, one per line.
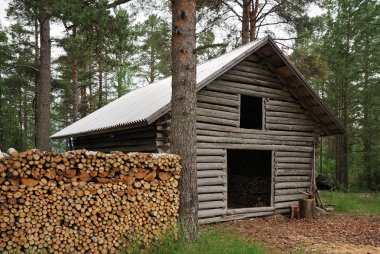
103 49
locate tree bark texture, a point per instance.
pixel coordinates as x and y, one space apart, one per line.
245 21
44 88
184 111
253 19
74 78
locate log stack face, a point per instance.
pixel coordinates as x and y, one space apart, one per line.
288 130
85 202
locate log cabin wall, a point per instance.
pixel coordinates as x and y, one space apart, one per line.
288 131
140 139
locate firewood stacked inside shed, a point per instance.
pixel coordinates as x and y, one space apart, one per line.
83 201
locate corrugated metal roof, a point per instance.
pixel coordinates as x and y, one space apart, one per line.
147 104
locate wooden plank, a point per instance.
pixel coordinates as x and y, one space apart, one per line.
287 185
210 197
288 127
254 147
210 93
256 65
293 172
211 189
217 107
211 181
249 210
218 114
206 152
209 220
209 159
293 197
293 165
242 140
285 104
246 215
217 101
214 127
291 121
210 166
283 179
210 213
284 109
210 173
293 154
285 204
290 191
289 115
211 204
253 68
294 160
220 121
242 71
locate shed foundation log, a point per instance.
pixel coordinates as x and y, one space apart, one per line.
290 191
284 198
285 205
249 210
210 213
247 215
209 220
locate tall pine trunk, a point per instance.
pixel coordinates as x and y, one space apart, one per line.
74 79
183 122
252 20
44 88
245 22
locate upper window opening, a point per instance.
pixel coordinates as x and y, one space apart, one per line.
251 112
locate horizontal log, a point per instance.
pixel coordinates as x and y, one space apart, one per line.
253 68
209 166
242 71
293 165
211 189
282 211
239 140
269 107
211 197
208 92
249 210
291 121
254 147
211 205
265 136
292 197
210 173
217 107
206 152
288 127
220 121
247 89
284 104
282 179
247 215
211 181
207 126
253 58
293 160
217 101
242 140
293 172
209 220
285 204
218 114
290 191
287 185
211 213
115 143
289 115
208 159
293 154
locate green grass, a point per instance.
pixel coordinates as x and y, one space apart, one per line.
210 241
357 203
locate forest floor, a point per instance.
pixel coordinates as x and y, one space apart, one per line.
326 233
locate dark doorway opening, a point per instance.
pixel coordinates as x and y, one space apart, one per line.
251 112
249 178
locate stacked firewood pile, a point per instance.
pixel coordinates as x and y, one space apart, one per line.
83 201
249 191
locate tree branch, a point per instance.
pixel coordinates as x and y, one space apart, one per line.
209 46
27 66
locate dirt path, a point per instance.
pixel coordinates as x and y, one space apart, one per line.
331 233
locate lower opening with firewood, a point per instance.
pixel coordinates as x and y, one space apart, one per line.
249 179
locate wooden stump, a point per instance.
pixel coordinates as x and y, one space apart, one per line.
306 208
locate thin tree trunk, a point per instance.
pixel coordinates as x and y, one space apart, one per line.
83 101
151 66
44 89
36 77
245 21
252 19
74 78
100 79
184 111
